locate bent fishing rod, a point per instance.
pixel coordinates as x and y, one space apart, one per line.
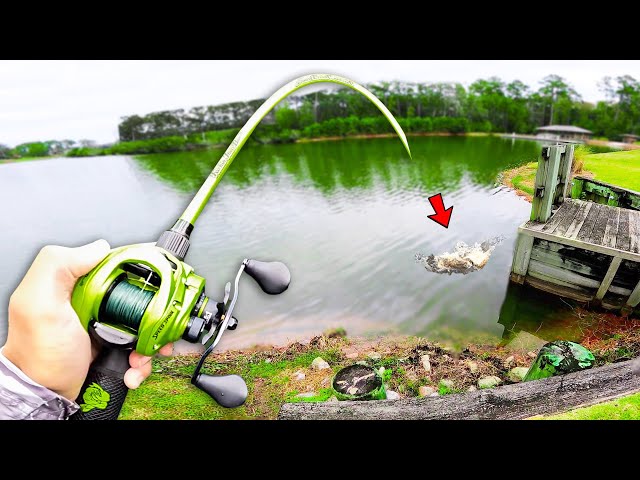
144 296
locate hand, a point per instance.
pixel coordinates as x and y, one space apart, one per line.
46 339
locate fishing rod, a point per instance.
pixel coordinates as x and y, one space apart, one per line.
144 296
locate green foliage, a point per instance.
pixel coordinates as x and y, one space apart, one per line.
85 152
488 105
32 149
286 117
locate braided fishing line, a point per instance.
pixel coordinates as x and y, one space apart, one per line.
126 304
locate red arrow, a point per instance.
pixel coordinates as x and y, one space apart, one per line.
441 216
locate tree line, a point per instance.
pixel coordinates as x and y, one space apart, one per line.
488 105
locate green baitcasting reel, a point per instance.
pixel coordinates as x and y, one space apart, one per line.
144 296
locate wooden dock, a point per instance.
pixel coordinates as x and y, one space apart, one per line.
587 247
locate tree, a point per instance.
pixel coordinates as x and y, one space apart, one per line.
553 88
286 118
5 151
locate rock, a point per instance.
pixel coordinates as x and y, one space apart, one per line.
426 364
268 360
489 382
473 366
306 395
391 395
319 364
425 391
531 354
446 383
517 374
381 371
374 355
333 399
352 355
299 375
509 361
471 388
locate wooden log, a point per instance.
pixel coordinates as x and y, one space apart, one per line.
511 402
608 278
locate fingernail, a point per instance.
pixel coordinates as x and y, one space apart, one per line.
136 379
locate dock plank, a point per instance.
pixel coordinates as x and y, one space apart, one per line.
611 230
622 239
567 210
597 234
589 222
634 231
579 220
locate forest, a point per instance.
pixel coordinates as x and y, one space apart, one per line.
486 105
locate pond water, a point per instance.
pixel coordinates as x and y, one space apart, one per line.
347 217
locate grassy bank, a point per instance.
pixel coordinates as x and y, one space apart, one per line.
625 408
275 375
619 168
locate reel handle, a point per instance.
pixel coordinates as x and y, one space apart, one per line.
272 277
103 392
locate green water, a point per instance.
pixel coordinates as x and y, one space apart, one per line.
347 217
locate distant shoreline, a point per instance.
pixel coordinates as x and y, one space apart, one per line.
209 146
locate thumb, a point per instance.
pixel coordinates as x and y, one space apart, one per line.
81 260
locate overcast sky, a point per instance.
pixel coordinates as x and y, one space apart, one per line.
43 100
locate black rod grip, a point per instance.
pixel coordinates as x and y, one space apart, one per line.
104 391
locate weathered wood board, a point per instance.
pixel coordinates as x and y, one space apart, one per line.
586 250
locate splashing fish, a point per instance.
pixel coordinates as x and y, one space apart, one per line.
464 258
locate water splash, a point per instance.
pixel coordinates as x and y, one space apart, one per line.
464 258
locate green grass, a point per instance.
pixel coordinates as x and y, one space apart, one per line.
620 168
525 178
625 408
168 393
